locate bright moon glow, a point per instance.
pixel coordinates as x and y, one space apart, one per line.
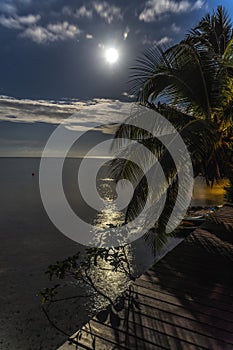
111 55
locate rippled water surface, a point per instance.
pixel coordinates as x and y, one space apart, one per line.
30 242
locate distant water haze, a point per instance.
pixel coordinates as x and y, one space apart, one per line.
22 206
206 196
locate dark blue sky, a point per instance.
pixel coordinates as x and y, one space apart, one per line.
55 49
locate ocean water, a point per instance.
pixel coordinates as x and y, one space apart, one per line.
22 210
30 242
206 196
23 214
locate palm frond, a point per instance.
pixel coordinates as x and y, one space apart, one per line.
214 30
186 75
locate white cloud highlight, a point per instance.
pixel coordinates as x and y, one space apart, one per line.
175 28
63 30
89 36
18 22
83 12
10 22
108 12
96 111
29 20
155 8
53 32
38 34
29 28
163 41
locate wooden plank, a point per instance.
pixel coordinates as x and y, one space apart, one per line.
179 321
166 277
184 302
196 297
218 291
173 288
185 312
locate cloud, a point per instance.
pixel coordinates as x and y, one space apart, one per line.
83 12
108 12
126 94
32 121
155 8
38 34
89 36
199 4
7 8
29 27
29 20
84 114
10 22
18 22
103 9
10 6
53 32
175 28
63 30
163 41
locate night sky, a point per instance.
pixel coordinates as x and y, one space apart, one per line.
53 60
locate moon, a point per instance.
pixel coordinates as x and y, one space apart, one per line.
111 55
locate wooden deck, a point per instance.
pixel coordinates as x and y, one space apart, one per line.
183 302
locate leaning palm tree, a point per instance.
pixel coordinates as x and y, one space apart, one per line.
194 81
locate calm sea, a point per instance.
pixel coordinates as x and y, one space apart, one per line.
30 242
22 210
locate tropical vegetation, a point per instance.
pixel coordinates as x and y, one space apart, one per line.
191 84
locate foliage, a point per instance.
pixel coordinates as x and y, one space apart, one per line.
229 192
81 269
191 84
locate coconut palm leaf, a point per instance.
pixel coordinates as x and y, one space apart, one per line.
187 76
215 30
194 81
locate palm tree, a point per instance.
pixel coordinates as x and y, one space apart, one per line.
194 80
215 30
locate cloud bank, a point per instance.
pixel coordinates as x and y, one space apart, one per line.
27 124
92 112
